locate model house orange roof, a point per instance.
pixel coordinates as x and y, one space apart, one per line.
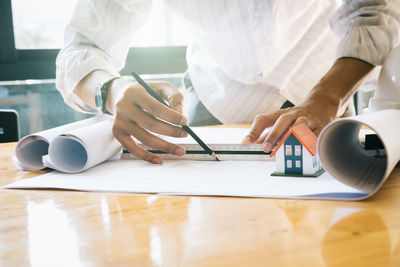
306 137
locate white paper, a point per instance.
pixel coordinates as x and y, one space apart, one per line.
177 177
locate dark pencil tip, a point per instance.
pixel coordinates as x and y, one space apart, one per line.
214 156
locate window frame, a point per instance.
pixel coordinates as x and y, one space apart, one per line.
297 150
23 64
297 164
289 164
288 150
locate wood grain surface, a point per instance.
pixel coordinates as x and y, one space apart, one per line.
69 228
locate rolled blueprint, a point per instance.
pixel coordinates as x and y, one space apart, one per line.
31 148
345 157
70 148
83 148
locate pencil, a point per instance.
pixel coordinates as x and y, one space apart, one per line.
185 127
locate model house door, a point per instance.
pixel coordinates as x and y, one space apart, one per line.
293 155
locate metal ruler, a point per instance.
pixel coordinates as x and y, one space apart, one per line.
223 151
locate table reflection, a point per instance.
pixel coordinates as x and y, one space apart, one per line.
67 231
357 238
51 236
80 228
252 230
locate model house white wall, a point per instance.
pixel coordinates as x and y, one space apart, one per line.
311 164
280 160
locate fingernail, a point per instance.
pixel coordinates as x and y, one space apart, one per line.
184 121
246 141
267 147
156 160
180 151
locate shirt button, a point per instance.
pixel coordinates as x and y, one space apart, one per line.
257 13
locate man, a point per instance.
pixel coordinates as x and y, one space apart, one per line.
247 58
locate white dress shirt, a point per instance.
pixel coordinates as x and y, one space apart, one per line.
246 57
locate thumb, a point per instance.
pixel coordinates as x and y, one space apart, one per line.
169 93
173 97
260 123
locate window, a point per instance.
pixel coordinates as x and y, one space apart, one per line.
298 164
288 150
33 33
297 150
288 164
162 29
40 24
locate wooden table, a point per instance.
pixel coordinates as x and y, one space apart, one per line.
56 228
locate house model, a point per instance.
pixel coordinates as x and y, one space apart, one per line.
296 154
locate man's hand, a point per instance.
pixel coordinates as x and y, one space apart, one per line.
137 114
315 113
320 107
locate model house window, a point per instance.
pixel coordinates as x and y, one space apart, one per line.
288 150
297 150
289 164
298 164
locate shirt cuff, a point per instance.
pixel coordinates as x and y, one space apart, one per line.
70 73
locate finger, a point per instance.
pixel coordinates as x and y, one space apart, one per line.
317 131
176 102
172 95
153 141
178 107
127 142
146 121
280 128
303 120
262 138
260 122
169 93
159 110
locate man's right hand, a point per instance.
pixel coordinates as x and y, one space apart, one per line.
137 115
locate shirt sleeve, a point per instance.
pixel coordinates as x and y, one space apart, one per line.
98 36
369 29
